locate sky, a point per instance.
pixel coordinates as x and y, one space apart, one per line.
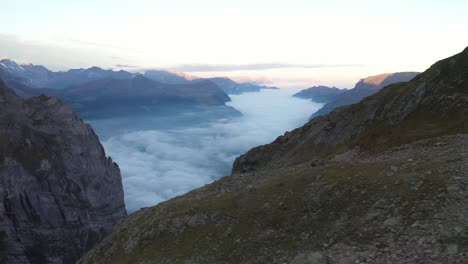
294 43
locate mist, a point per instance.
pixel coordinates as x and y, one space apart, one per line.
161 158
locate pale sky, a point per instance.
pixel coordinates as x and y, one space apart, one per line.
293 43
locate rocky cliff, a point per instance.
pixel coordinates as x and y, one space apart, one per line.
381 181
59 193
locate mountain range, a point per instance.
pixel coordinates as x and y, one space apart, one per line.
380 181
38 76
111 97
364 88
97 93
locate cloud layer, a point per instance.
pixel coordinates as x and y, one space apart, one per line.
253 67
158 164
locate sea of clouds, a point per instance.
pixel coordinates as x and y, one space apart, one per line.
160 163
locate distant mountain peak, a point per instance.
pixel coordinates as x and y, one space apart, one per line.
376 79
9 65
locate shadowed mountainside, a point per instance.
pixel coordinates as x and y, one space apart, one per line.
60 193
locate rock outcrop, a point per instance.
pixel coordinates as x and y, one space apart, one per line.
364 88
59 192
381 181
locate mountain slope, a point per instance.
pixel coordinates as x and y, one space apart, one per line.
60 193
320 94
365 87
381 181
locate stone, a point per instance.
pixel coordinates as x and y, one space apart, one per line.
314 257
452 249
392 221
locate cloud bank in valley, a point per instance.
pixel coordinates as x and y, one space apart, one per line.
159 164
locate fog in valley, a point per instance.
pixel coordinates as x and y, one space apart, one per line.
164 156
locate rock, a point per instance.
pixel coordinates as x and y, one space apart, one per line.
314 257
392 221
452 249
59 193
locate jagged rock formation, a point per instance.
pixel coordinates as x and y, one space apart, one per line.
381 181
320 94
60 194
364 88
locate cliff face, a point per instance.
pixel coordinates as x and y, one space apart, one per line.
381 181
59 193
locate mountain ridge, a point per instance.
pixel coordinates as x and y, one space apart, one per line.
365 87
38 76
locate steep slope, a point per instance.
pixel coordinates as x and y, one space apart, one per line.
320 94
365 87
60 193
381 181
